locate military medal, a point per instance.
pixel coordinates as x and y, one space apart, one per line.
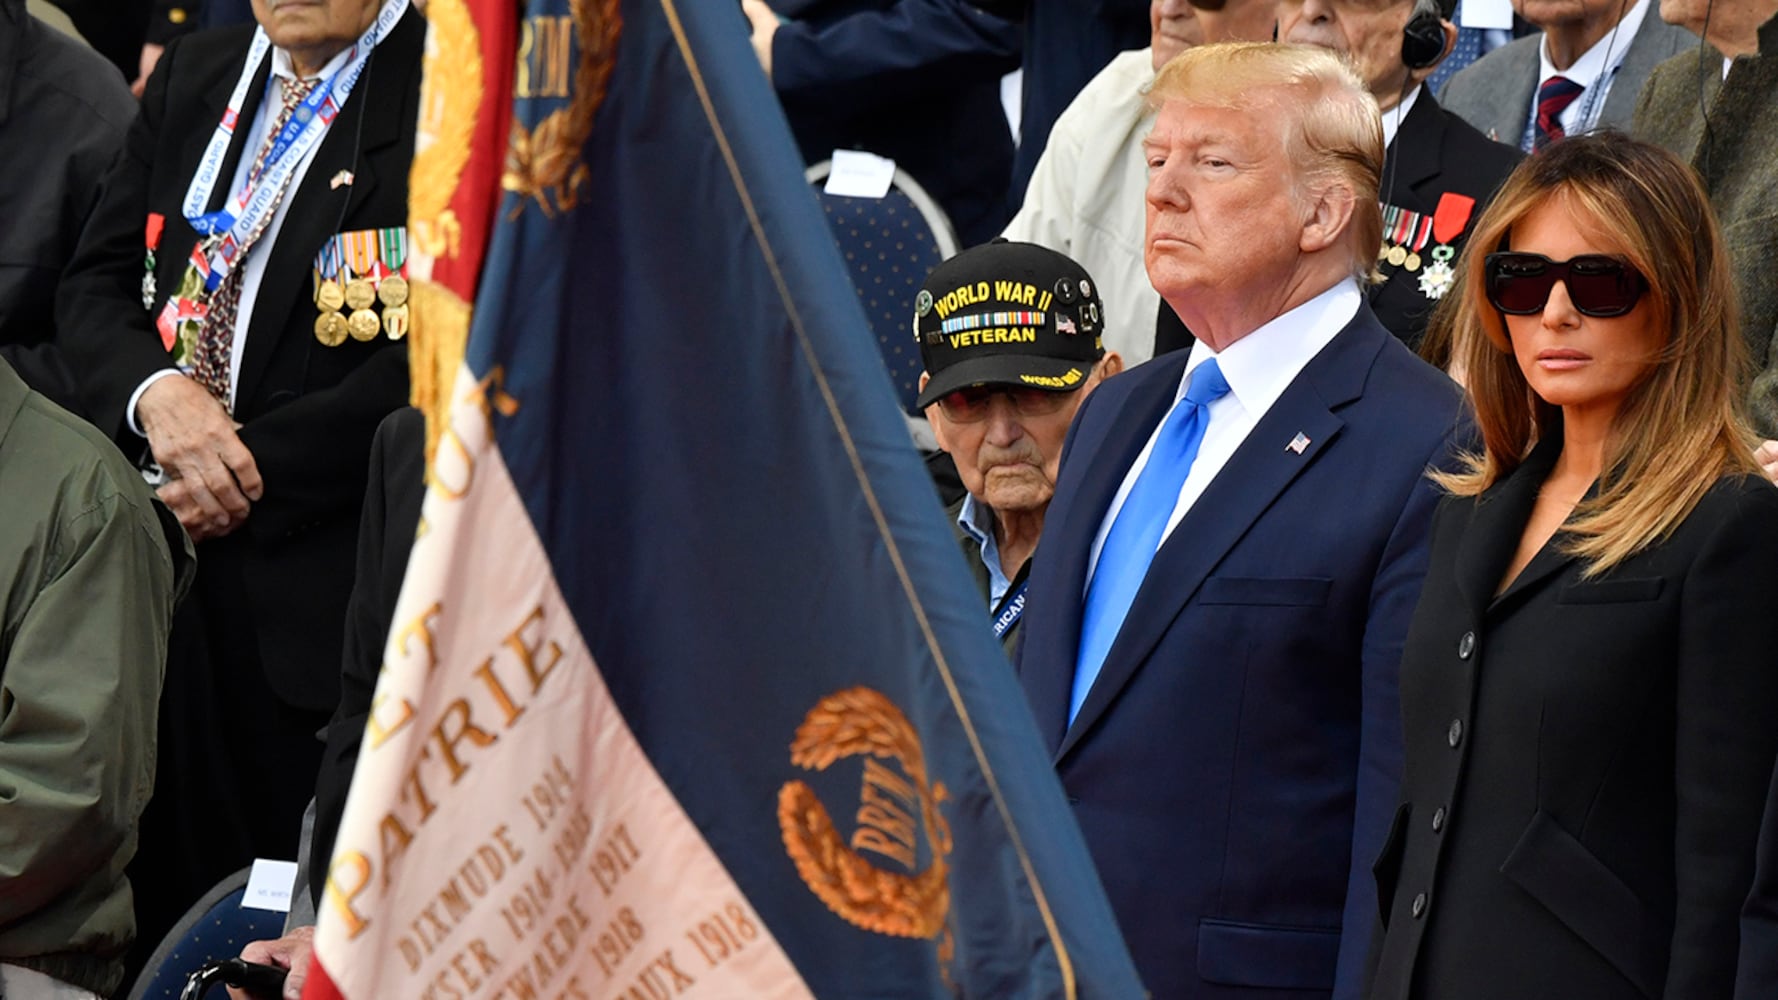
156 222
1407 234
392 292
331 328
1436 280
361 255
364 325
1449 221
395 321
360 293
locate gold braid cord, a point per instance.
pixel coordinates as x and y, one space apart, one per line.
854 722
450 98
546 162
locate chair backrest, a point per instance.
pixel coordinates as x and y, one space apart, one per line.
890 244
217 926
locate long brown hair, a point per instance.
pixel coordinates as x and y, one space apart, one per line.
1683 426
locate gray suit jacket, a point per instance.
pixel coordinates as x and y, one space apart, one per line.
1495 92
1741 175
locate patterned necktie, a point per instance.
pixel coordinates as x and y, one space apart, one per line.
1554 97
1135 536
210 360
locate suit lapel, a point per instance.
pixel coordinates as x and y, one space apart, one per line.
1414 157
1259 471
1496 524
371 121
1106 452
1518 89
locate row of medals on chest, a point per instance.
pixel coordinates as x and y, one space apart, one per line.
346 309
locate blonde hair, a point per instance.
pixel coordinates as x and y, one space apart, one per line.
1680 429
1333 133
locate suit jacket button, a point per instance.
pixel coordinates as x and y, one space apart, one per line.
1455 736
1438 819
1466 646
1419 906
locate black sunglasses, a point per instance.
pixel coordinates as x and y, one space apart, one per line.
1519 283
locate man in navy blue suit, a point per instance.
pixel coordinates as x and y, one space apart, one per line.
1236 545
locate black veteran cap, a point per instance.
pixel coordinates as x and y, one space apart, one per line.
1008 314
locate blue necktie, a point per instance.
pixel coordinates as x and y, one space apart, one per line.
1134 537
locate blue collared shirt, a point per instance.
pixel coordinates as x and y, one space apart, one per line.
977 521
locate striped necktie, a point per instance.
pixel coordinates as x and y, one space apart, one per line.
1554 97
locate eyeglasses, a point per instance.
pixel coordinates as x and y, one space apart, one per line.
1519 283
972 405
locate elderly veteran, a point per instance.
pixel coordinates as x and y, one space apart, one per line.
1438 172
1011 334
234 313
1236 543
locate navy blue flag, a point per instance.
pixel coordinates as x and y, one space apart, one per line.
687 675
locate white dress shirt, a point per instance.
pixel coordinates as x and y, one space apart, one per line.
1258 368
1594 70
253 265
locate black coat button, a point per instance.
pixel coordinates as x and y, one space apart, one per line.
1420 905
1455 736
1438 819
1466 646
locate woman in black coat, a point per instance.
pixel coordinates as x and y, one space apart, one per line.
1589 695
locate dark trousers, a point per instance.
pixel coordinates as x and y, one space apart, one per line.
236 765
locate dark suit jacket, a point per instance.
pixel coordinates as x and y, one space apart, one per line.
1234 766
1586 759
1433 152
386 531
917 81
1757 976
1495 92
308 411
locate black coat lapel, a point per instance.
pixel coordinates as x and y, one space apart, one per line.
1261 469
1415 156
1496 525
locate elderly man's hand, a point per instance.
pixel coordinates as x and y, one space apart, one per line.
1768 459
212 478
292 951
765 25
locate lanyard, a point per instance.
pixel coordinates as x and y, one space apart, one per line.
1012 608
228 231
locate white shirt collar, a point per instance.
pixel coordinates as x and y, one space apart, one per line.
282 67
1261 365
1393 118
1592 67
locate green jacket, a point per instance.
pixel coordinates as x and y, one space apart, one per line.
1740 173
91 567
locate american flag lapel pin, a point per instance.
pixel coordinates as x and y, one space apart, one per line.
344 177
1297 444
